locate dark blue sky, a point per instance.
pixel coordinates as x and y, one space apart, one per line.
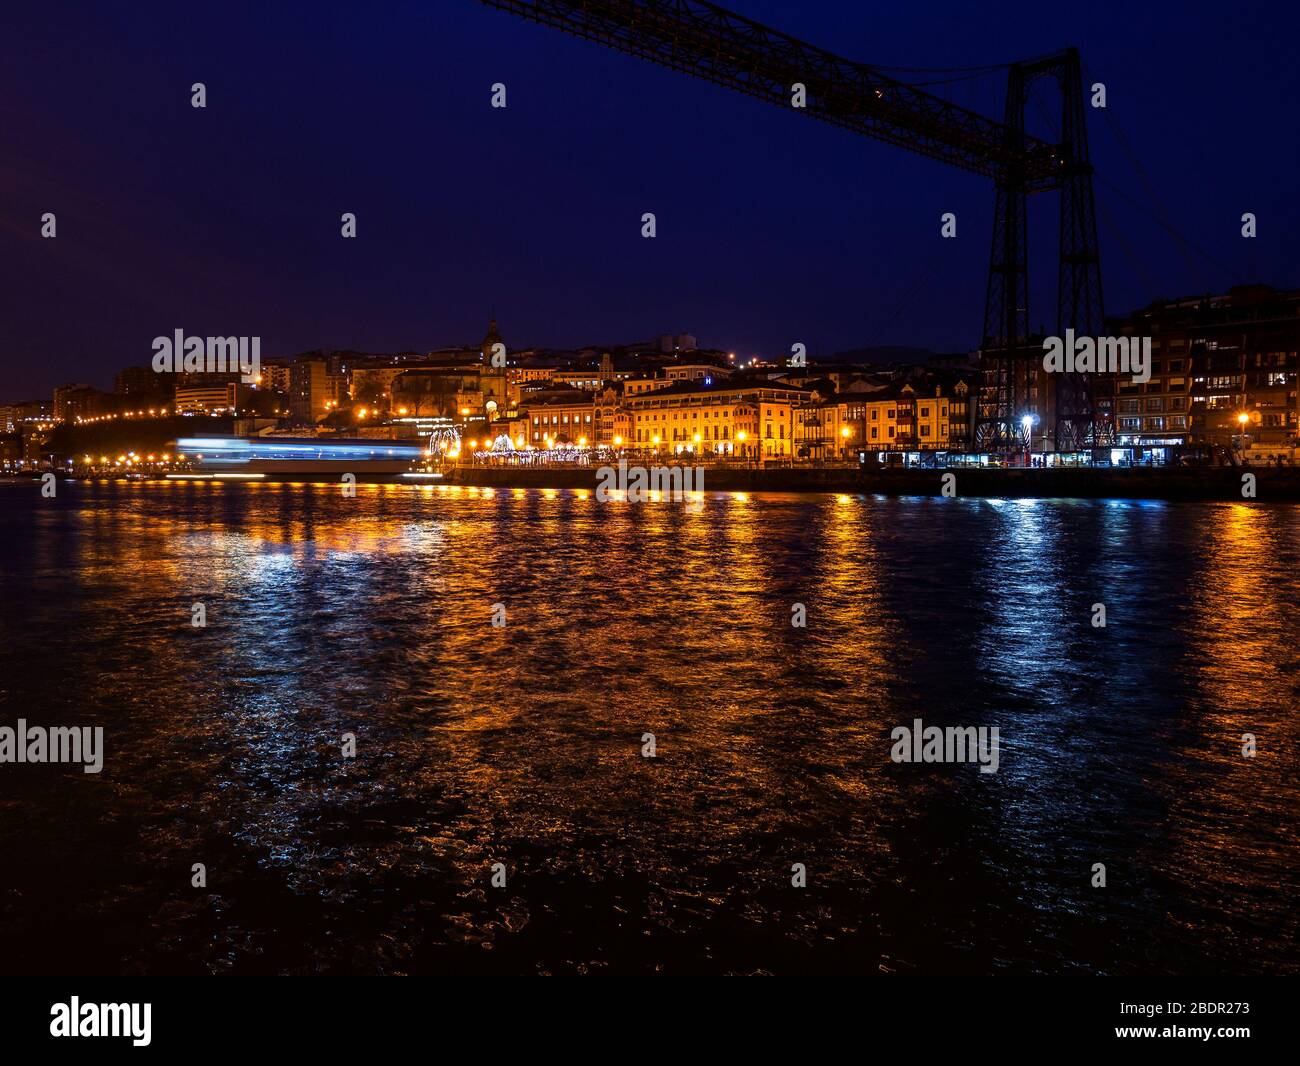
772 228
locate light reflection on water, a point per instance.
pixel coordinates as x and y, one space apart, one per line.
522 745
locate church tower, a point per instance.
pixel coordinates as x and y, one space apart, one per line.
493 338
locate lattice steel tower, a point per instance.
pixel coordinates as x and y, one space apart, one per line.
709 42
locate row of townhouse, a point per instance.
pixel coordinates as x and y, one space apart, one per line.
916 415
750 418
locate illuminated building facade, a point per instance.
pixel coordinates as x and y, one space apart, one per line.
639 386
560 417
1224 371
920 417
530 375
203 399
277 377
611 418
827 430
751 419
316 386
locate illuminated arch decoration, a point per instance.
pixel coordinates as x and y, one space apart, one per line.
443 439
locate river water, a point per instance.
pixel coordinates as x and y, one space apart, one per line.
523 744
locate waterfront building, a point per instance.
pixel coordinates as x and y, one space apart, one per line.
919 416
882 423
612 420
514 427
961 412
559 416
753 418
465 394
1224 372
826 430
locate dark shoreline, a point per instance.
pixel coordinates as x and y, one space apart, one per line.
1225 484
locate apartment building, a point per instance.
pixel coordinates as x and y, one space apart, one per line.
1224 371
919 416
316 385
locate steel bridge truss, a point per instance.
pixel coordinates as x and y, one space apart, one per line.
719 46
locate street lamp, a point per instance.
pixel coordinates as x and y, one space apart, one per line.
1027 423
1243 420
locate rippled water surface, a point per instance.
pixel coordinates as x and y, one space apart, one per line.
522 744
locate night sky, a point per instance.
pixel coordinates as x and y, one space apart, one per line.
772 228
